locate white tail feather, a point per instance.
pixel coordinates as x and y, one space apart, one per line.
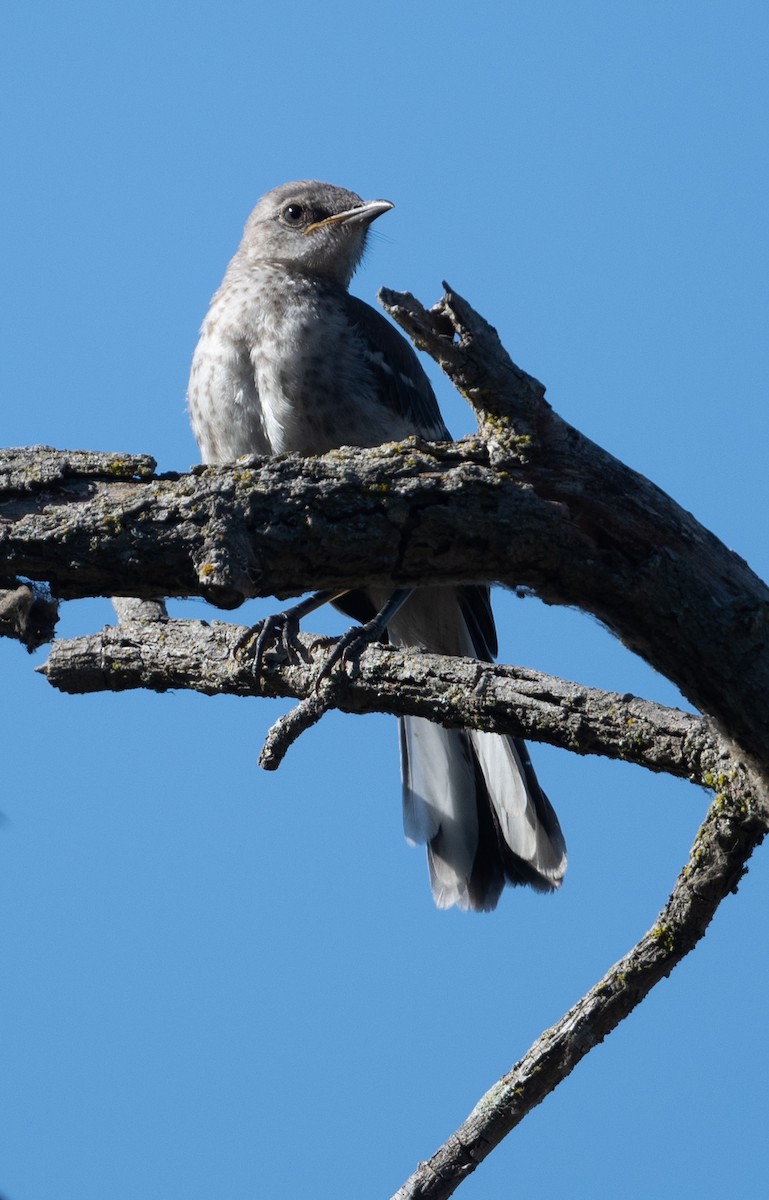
437 780
518 821
442 789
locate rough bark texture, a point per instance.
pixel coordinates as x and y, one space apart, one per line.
529 503
714 869
551 512
162 654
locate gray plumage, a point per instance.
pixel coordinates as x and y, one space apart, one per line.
288 361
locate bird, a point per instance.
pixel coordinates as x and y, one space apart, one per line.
289 361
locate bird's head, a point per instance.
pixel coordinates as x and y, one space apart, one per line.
313 226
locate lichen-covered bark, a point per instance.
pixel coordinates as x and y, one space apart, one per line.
529 503
716 864
545 509
163 654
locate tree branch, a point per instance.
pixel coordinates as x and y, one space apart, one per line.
459 692
732 830
529 503
28 613
533 503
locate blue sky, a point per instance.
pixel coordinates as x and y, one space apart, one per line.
218 982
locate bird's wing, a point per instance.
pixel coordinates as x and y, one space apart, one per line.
404 388
476 609
402 384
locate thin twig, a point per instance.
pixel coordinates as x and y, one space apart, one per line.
282 735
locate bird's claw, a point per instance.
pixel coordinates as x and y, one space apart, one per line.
279 629
354 642
349 645
282 628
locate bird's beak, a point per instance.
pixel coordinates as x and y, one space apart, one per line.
363 215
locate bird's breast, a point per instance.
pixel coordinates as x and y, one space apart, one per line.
281 367
314 375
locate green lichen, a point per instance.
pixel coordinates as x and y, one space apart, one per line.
664 937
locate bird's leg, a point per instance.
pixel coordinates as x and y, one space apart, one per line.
282 626
288 728
354 642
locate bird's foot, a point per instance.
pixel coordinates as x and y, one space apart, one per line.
352 644
347 648
278 630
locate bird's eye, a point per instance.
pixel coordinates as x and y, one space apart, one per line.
293 213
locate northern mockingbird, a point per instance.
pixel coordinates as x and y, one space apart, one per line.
288 361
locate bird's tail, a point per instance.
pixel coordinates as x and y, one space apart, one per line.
474 799
471 796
